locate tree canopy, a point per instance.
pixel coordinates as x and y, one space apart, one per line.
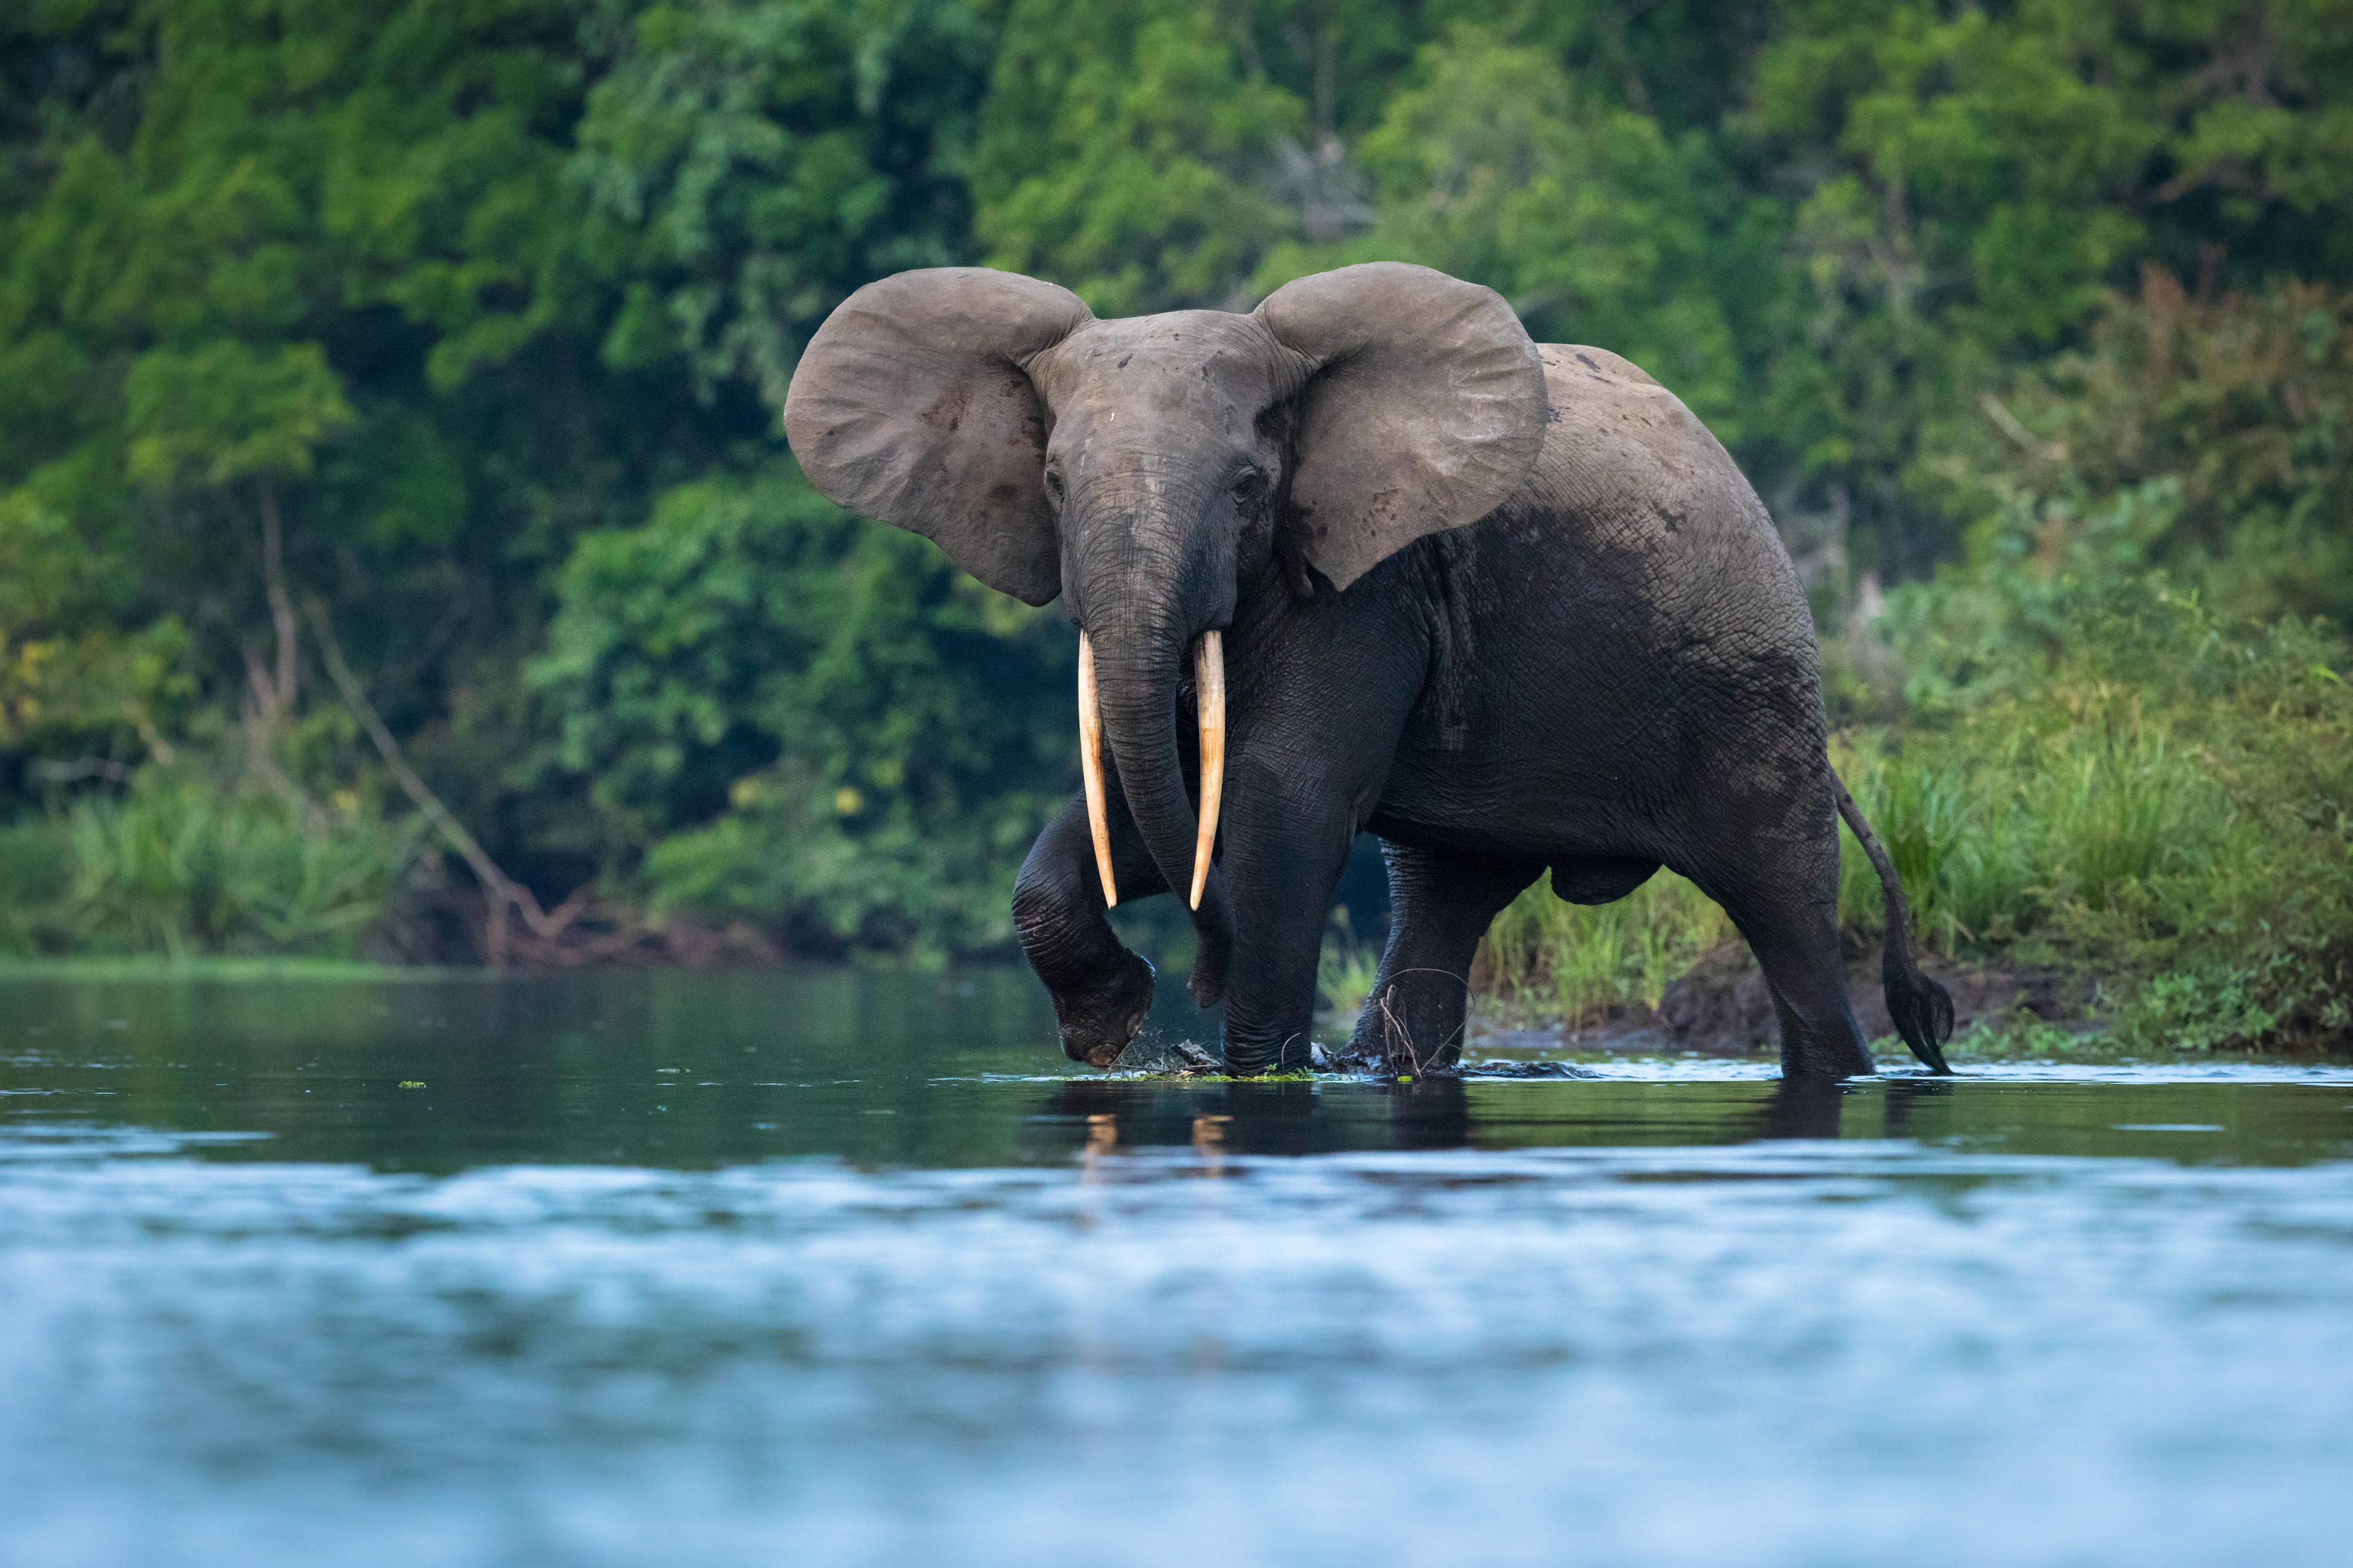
458 328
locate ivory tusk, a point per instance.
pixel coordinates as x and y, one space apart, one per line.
1209 677
1090 769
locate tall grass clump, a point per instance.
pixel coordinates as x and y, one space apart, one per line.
2024 817
1581 962
178 864
1346 968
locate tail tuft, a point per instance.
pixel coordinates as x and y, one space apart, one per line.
1922 1010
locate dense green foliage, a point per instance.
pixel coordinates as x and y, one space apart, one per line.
2160 802
469 322
456 333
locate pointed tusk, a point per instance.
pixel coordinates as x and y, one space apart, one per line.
1209 676
1090 769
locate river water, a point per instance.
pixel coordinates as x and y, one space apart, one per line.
851 1268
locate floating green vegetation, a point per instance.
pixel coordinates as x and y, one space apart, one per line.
1194 1075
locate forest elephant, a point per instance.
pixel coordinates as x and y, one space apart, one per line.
1364 557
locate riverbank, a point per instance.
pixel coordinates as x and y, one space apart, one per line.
1722 1007
2115 813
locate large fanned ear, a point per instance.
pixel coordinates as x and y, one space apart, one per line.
912 405
1426 408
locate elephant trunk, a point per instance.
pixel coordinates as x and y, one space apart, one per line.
1136 661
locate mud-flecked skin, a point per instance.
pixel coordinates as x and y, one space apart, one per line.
1569 638
1101 990
1095 1026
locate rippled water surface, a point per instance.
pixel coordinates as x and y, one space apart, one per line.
849 1268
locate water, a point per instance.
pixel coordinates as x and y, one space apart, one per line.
850 1269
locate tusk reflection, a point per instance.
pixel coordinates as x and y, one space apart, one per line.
1209 675
1090 769
1103 1138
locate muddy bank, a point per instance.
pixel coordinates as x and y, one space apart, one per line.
1722 1007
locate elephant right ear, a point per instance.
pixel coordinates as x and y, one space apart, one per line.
912 404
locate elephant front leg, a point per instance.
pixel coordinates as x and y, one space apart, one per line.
1286 842
1100 990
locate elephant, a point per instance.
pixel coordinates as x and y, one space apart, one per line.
1509 607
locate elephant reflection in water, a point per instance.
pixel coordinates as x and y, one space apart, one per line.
1816 1108
1364 557
1092 1118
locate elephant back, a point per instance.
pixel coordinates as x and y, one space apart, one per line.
1631 483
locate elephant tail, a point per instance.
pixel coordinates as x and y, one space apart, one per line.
1922 1010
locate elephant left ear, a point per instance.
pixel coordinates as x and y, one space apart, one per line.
1425 407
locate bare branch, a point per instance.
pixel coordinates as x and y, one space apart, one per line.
2015 428
260 719
502 891
282 607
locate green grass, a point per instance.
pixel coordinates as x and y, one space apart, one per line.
1346 970
2163 801
1578 963
1545 958
179 866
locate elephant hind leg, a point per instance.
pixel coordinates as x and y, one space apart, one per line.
1790 923
1441 904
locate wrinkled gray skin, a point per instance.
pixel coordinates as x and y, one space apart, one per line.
1511 609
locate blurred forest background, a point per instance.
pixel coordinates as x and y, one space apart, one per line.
399 556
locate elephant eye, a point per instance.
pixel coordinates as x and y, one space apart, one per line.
1248 490
1054 486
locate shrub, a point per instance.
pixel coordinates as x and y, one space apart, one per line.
178 864
2241 403
789 718
2109 777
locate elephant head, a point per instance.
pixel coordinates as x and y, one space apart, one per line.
1143 468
